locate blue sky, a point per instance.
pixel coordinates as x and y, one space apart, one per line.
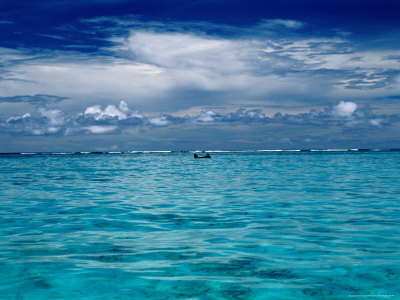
187 75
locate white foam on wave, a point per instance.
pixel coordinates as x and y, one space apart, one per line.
225 151
114 152
158 151
61 153
149 151
279 150
329 150
27 153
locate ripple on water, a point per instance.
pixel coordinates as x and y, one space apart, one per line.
290 225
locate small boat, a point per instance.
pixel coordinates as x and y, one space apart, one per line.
205 156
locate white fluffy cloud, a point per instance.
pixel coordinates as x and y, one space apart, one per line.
111 111
344 109
206 116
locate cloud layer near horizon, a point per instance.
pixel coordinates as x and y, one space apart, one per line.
111 119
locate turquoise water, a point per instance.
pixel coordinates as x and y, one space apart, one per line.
244 225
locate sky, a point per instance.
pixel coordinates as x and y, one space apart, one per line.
118 75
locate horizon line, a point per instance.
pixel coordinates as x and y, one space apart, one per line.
194 151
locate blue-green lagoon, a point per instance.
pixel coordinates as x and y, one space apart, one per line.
241 225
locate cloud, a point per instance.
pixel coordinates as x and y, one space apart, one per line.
191 61
109 112
100 129
55 117
206 116
37 100
158 121
80 76
273 23
113 119
376 122
15 119
246 116
344 109
182 50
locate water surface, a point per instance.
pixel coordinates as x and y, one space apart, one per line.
242 225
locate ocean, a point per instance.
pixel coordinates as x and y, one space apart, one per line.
162 225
